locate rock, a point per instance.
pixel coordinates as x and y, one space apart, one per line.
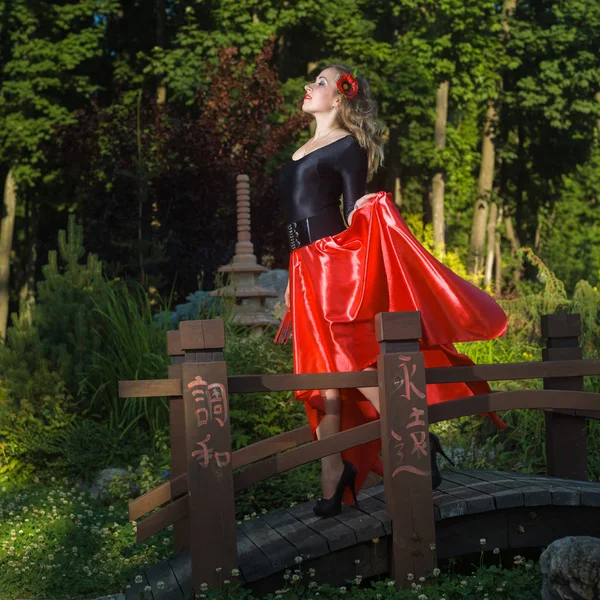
100 487
275 279
571 569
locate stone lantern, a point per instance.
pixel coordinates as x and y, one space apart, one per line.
243 270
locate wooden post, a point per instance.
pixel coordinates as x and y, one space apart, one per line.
213 543
405 445
566 444
177 434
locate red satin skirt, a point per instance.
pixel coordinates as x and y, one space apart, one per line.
337 286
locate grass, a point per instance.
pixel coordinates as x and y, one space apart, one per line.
58 542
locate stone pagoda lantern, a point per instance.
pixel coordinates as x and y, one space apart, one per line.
243 270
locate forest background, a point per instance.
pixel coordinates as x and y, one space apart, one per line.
136 117
127 123
123 125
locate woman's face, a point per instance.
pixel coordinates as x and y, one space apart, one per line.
322 95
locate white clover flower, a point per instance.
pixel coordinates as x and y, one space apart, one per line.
463 583
138 579
496 551
295 577
410 576
226 582
391 583
422 579
422 597
286 576
235 572
343 589
432 547
204 586
483 541
436 572
219 569
480 588
298 560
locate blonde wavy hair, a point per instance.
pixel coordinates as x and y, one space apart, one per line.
359 117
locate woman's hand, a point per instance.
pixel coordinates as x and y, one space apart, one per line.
362 200
287 295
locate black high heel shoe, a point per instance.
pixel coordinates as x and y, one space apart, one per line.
435 447
333 506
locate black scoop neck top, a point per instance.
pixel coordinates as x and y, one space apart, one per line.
314 183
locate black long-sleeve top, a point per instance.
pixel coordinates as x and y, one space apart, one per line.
315 182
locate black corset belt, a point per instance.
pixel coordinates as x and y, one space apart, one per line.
302 233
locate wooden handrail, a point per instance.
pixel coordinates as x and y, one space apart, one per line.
452 409
517 399
513 371
177 486
268 467
246 384
266 450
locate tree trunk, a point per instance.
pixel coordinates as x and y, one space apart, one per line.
438 182
393 172
498 279
7 227
511 236
161 42
598 121
26 280
475 260
310 67
397 192
491 243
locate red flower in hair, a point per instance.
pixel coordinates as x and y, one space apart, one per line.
347 85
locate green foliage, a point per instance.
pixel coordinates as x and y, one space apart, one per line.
58 542
48 50
61 543
262 415
571 232
46 355
132 345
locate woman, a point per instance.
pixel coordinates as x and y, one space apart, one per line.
340 278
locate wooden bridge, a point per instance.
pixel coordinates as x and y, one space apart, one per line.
401 530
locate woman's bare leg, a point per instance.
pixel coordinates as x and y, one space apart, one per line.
331 466
371 393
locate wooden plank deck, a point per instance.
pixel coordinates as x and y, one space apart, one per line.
509 510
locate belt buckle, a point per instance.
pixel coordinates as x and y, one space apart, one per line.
293 236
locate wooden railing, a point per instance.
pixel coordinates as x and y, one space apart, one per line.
199 499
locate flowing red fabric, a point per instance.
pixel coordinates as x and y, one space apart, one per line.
337 286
